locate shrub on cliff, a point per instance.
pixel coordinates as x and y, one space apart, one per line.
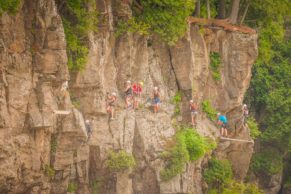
79 18
164 18
268 162
119 161
11 6
209 110
188 145
215 62
254 129
218 173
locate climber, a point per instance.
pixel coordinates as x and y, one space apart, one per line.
65 86
137 89
245 114
194 111
156 99
128 94
88 129
222 122
110 103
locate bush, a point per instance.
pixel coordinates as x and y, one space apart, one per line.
79 19
72 187
189 145
268 162
175 158
49 171
54 144
254 129
10 6
164 18
120 161
176 100
215 62
197 145
240 188
218 173
209 110
96 185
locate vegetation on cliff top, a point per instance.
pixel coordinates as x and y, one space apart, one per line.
187 145
10 6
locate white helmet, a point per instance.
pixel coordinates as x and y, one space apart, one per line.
113 94
87 121
218 114
191 101
128 81
156 88
245 105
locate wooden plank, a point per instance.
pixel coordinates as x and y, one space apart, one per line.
62 112
240 140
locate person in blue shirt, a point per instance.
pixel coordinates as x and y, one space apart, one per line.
222 122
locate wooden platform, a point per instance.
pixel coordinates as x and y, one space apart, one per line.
62 112
239 140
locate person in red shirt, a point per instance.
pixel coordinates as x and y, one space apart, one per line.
137 89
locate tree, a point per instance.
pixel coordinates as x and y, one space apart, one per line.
221 9
197 8
208 9
234 11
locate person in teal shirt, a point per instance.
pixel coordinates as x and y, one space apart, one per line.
222 122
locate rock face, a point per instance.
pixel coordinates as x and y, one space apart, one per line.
45 150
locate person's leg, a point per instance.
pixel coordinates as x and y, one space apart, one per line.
112 112
192 118
221 131
226 133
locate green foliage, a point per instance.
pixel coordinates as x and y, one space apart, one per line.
253 126
120 161
49 171
80 19
213 9
218 173
209 110
165 18
215 62
10 6
72 187
96 185
188 145
175 158
269 16
54 144
197 145
132 25
287 183
176 100
268 162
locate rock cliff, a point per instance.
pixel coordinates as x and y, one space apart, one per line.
44 152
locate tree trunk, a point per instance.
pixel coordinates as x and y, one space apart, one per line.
221 9
197 9
208 9
234 11
245 13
